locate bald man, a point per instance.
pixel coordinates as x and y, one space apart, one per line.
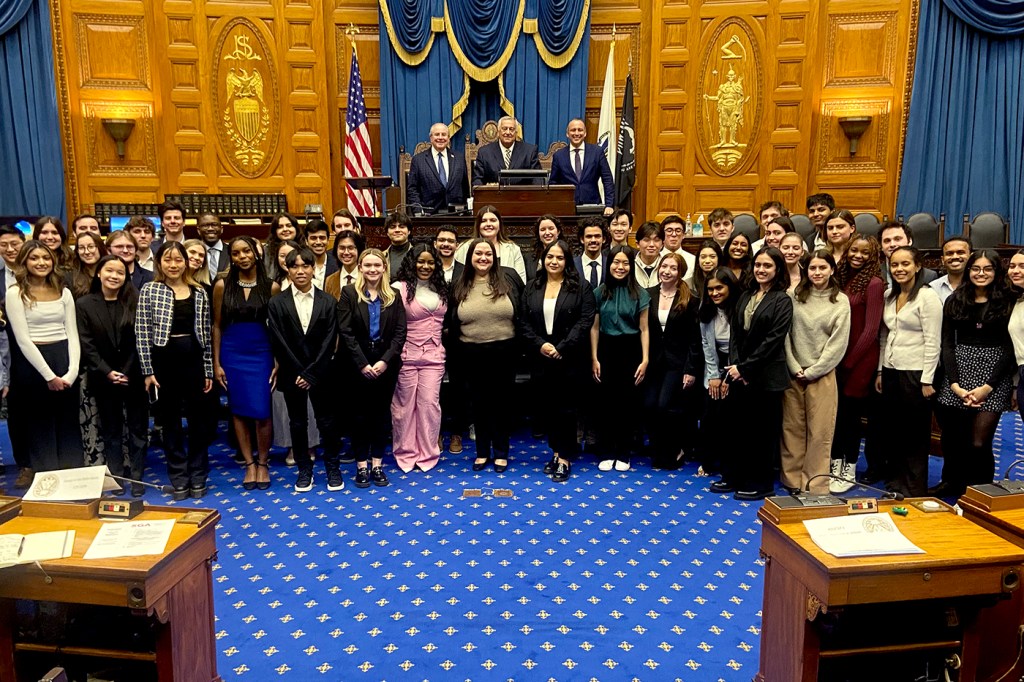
437 178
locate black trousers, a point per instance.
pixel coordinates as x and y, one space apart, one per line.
751 463
371 411
454 411
663 407
121 409
557 386
846 443
48 420
327 422
490 374
178 368
618 395
906 421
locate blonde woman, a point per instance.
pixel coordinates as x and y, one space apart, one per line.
371 322
198 265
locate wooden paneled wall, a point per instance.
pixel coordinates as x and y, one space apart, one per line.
184 70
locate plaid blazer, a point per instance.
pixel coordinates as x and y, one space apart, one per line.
153 324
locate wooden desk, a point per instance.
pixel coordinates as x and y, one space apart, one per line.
822 614
174 588
1001 513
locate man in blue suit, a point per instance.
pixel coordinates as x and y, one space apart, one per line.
437 178
506 153
582 165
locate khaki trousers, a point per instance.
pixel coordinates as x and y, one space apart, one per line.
808 425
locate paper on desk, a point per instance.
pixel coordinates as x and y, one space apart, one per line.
25 549
65 485
131 538
860 535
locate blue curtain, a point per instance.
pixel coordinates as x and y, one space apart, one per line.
12 12
411 22
998 17
557 22
31 165
964 150
483 28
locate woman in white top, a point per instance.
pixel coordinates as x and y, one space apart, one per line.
910 340
489 226
45 359
1015 272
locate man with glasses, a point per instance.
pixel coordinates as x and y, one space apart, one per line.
11 241
445 241
674 228
122 244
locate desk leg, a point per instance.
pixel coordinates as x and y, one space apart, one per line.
186 648
7 639
789 645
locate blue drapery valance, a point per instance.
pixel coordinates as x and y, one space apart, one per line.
483 34
12 12
409 22
558 22
1003 18
964 150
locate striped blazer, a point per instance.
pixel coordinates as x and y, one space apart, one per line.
153 324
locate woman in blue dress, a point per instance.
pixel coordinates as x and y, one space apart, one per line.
242 360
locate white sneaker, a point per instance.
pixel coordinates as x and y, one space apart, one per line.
606 465
622 465
842 470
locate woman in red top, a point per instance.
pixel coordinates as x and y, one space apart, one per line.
860 277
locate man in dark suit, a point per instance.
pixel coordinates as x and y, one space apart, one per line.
593 263
11 241
210 230
437 178
582 165
303 328
505 154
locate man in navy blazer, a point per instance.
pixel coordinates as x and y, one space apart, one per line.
491 157
437 178
593 235
593 166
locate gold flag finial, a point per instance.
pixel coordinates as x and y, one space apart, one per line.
351 30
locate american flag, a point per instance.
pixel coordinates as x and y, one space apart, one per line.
358 155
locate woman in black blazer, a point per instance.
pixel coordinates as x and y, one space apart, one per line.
106 331
557 311
676 363
547 230
371 322
758 375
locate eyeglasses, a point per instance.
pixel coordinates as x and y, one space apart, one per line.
978 270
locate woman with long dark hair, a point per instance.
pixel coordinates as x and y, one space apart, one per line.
546 231
815 345
978 361
243 361
489 225
671 406
738 257
557 313
910 346
758 376
89 249
106 327
721 292
710 257
283 227
372 326
1015 274
416 407
860 276
620 353
172 336
44 361
481 324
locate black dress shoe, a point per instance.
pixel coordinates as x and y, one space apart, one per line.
197 491
480 466
138 490
500 468
362 477
378 477
561 473
179 494
722 486
751 494
551 465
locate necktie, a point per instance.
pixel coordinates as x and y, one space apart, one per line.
508 157
579 162
649 270
440 170
593 274
348 279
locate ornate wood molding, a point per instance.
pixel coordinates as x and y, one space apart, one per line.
908 87
64 108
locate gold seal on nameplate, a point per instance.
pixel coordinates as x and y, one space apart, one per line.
730 90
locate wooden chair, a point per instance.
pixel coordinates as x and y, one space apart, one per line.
987 230
748 225
929 233
867 224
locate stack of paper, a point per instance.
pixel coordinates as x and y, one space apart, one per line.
860 535
130 538
26 549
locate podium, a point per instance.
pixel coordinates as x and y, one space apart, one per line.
171 594
879 617
526 200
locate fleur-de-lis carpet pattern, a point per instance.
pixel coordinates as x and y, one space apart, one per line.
638 575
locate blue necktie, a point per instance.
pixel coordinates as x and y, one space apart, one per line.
579 162
593 274
440 171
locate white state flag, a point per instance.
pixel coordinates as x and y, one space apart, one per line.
606 136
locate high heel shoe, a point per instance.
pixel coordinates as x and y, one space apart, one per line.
500 468
263 485
480 466
249 485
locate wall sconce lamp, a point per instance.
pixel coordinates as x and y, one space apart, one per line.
853 127
119 129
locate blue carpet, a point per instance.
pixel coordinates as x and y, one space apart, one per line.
639 575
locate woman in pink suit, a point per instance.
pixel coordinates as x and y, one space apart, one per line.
415 407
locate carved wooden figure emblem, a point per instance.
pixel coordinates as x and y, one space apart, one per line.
246 97
731 97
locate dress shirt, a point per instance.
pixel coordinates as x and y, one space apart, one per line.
506 155
345 274
586 260
443 157
448 272
303 306
213 258
374 308
147 263
942 288
319 274
583 157
9 277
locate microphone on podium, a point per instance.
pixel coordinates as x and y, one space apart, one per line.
804 498
165 489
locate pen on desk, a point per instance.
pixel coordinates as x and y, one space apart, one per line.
21 546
